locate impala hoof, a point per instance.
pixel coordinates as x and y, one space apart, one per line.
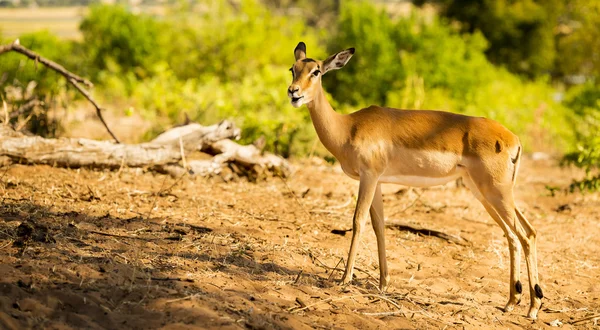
383 283
346 280
532 314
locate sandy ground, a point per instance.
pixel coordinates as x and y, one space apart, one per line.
83 249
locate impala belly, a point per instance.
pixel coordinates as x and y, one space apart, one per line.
416 168
419 181
422 168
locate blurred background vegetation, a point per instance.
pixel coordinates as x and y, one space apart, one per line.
533 65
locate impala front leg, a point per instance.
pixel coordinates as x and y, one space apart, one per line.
379 227
366 191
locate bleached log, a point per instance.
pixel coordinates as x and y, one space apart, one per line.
74 153
163 154
196 137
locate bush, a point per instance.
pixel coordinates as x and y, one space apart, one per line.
217 61
119 41
585 101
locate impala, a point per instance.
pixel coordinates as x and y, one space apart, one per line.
418 148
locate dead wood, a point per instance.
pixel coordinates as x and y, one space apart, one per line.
162 154
24 108
194 136
72 78
427 232
65 152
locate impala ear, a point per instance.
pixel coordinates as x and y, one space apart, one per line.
338 60
300 51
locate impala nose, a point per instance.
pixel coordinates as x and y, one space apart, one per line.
292 90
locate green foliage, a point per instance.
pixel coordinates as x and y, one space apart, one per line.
228 42
585 101
520 32
578 39
224 62
376 66
118 40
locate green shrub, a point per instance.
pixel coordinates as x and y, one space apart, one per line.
119 41
585 101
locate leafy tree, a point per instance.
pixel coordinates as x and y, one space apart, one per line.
585 101
377 61
117 40
520 32
579 39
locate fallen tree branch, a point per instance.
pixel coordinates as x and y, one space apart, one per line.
72 78
196 137
164 157
75 153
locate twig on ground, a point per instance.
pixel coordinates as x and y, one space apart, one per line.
294 194
300 302
412 204
323 265
121 236
10 241
383 314
335 268
332 299
183 298
427 232
588 318
298 277
166 279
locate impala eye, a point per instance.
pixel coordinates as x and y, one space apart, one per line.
316 73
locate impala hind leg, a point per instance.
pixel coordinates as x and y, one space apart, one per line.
514 247
500 197
529 234
366 192
379 227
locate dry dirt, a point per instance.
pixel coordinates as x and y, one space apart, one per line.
83 249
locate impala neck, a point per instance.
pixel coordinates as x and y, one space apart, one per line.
330 125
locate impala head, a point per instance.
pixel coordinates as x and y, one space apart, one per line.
307 73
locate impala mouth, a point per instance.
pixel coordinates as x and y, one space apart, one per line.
296 99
